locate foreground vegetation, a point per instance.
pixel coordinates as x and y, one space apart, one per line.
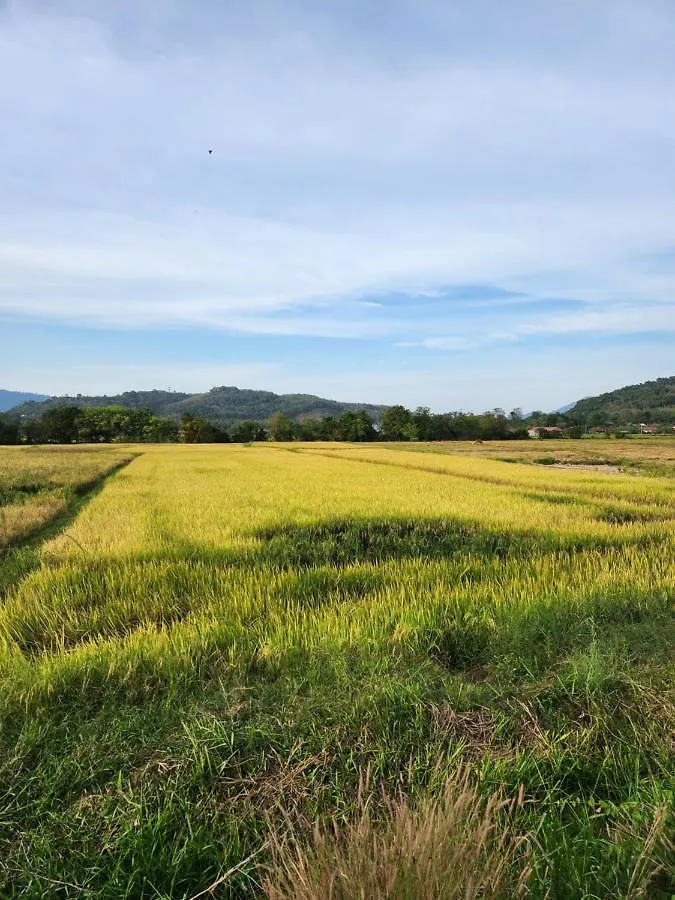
314 671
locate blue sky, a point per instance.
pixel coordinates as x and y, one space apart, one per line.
454 204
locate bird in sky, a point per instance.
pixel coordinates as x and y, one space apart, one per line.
210 152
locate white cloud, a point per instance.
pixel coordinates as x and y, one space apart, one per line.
618 319
513 149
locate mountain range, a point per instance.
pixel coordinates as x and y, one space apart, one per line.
221 405
651 401
11 399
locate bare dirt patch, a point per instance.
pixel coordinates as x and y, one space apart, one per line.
590 467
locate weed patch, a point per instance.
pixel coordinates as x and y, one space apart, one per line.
347 542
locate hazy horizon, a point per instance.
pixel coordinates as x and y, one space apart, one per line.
347 400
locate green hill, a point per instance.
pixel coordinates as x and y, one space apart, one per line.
221 405
652 401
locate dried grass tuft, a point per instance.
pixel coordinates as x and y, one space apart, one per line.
458 845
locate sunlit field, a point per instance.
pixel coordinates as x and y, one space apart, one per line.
40 486
36 483
646 453
338 671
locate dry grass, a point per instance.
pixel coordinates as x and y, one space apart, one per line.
649 875
455 846
20 519
659 448
472 729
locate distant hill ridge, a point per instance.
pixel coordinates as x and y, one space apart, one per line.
651 401
221 405
10 399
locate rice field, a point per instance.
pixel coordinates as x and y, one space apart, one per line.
37 483
641 451
337 671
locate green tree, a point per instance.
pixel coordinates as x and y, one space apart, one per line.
309 430
162 430
424 423
194 429
328 429
396 423
468 427
355 426
493 425
245 432
280 427
60 425
9 430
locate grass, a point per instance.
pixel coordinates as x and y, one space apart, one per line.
267 673
455 846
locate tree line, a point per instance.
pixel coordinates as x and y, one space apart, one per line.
92 425
119 424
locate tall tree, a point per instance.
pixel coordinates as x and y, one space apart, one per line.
280 427
355 426
424 423
60 425
396 423
9 430
194 429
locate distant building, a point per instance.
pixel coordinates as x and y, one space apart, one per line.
597 429
649 429
545 431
